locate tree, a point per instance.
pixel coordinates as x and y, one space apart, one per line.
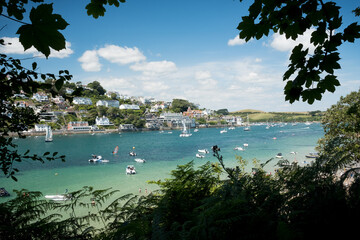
96 86
222 112
309 75
341 143
181 105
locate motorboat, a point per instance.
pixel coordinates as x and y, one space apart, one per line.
312 155
203 151
132 153
196 130
239 148
279 155
246 144
140 160
58 197
97 159
223 131
231 128
130 169
199 155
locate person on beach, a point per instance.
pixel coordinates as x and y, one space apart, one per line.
139 190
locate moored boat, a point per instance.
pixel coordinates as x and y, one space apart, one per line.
279 155
239 148
198 155
139 160
203 151
130 169
312 155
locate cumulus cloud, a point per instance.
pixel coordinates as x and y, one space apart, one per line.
121 55
154 68
90 61
280 43
13 46
236 41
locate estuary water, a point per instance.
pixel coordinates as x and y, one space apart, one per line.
162 152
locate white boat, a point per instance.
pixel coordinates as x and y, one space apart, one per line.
231 128
279 155
97 159
58 197
196 130
130 169
48 136
132 153
140 160
185 132
223 131
312 155
199 155
239 148
246 145
203 151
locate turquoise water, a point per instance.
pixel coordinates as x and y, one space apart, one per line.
162 151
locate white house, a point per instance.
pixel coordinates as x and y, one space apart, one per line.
102 121
129 106
108 103
58 99
69 91
78 126
40 97
82 101
40 127
108 94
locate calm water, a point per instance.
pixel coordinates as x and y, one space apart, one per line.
162 151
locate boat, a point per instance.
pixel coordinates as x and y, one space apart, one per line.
203 151
231 128
185 132
58 197
247 127
97 159
116 150
4 193
246 144
199 155
48 136
312 155
196 130
239 148
132 153
130 169
279 155
223 131
140 160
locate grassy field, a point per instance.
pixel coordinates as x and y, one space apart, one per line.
259 116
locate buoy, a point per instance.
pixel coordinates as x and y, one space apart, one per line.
56 174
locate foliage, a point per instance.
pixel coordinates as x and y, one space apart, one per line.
222 112
96 86
313 73
341 143
181 105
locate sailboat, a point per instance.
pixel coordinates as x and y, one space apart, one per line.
116 150
48 136
247 127
185 132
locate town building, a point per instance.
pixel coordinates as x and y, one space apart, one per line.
78 126
40 97
193 113
129 106
82 101
102 121
108 103
127 127
40 127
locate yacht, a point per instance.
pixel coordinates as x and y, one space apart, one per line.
203 151
140 160
185 132
199 155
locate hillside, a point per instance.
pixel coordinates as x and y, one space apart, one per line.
259 116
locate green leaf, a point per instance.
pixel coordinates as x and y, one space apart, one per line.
34 65
58 84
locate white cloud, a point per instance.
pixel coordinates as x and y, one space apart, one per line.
155 87
90 61
236 41
154 68
279 42
13 46
202 75
121 55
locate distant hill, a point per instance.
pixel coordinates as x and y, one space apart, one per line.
248 111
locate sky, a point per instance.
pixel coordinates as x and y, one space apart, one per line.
182 49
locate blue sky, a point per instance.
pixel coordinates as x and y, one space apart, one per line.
182 49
